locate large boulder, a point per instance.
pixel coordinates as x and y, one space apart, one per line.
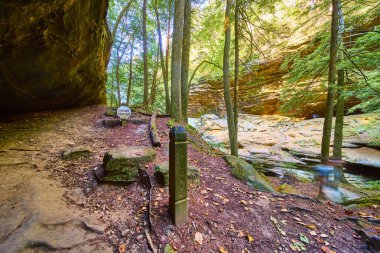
121 164
245 172
161 172
53 54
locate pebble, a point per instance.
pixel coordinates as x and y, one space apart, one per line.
139 237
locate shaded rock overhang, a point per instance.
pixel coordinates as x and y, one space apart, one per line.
53 54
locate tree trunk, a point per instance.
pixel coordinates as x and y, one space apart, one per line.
118 81
325 147
164 72
130 72
236 73
111 93
121 14
145 57
176 60
338 133
168 42
226 81
154 81
185 58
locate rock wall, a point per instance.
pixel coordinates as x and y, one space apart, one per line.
259 94
53 54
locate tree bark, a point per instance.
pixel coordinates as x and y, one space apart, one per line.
163 68
145 57
130 72
168 42
185 58
338 131
226 81
176 60
236 73
325 146
154 81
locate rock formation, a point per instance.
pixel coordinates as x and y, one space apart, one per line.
53 54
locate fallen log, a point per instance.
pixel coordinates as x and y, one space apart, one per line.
153 131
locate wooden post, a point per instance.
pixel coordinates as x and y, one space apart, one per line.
123 122
178 175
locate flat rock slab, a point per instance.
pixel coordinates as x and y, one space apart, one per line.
110 123
77 152
121 164
161 172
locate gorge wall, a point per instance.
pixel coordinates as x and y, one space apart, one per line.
53 54
259 94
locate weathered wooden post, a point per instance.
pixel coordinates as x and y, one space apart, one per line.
178 175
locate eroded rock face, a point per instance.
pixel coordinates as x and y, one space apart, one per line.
53 54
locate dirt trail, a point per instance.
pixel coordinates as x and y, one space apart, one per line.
48 203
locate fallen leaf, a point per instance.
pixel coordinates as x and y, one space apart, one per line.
250 238
222 250
312 226
327 250
332 232
198 237
122 248
243 202
297 219
169 249
284 210
203 191
324 236
313 233
304 238
241 233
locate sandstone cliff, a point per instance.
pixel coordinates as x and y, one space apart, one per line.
53 54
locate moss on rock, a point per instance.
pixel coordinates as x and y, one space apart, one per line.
161 172
245 172
77 152
122 164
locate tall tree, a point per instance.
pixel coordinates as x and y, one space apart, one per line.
176 60
185 58
154 81
163 67
236 72
226 81
145 56
327 125
130 71
339 108
168 40
338 131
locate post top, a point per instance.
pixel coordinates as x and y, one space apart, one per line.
178 133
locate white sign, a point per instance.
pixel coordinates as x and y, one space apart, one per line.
124 112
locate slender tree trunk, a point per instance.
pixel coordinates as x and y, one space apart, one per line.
176 60
226 81
154 81
338 131
185 58
118 81
236 73
168 46
130 71
325 147
145 57
123 12
111 93
339 118
164 72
